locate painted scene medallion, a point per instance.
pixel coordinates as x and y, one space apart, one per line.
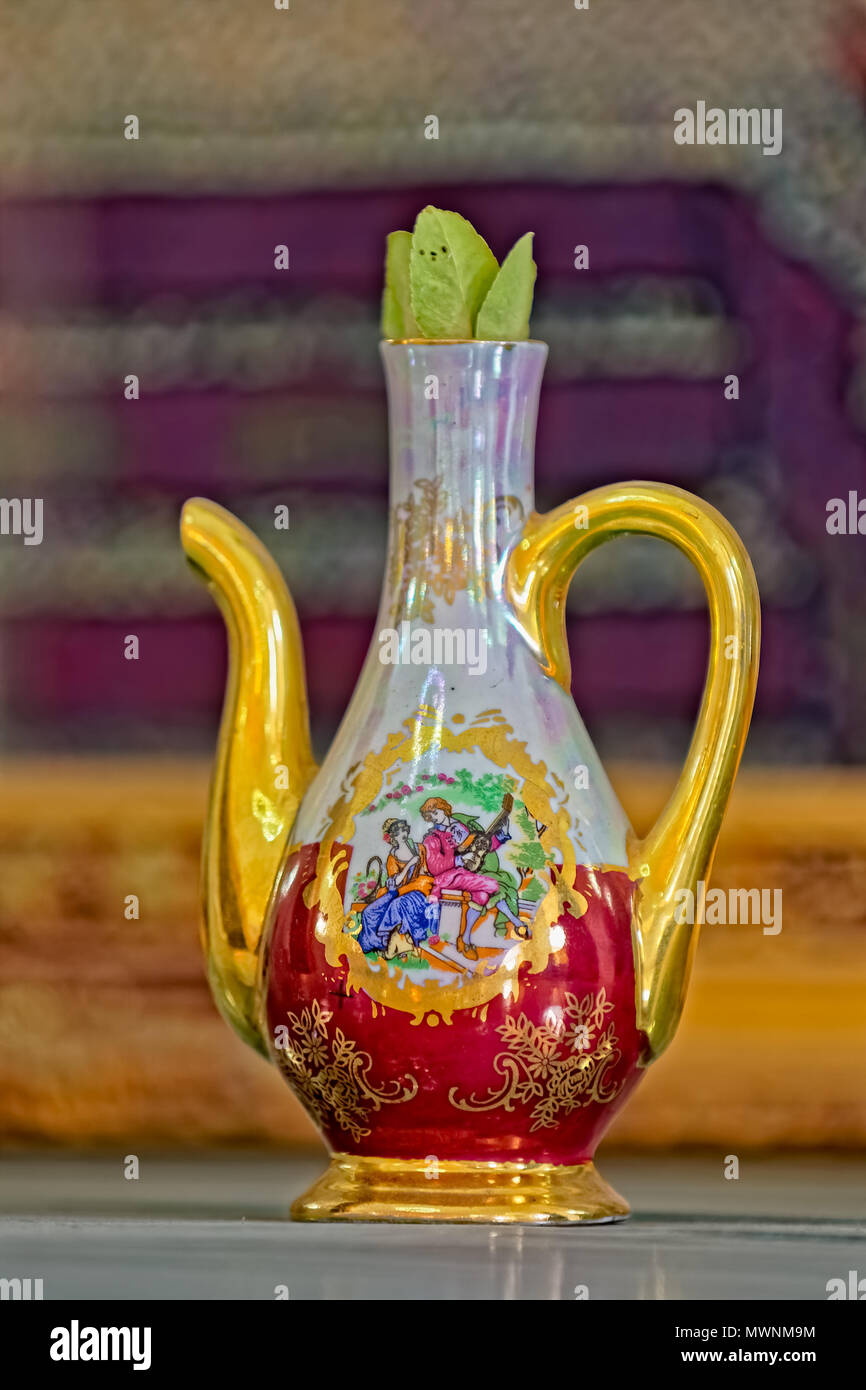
447 866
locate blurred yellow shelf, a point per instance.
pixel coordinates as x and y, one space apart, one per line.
108 1033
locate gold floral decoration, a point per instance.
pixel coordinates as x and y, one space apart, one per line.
331 1076
430 554
560 1065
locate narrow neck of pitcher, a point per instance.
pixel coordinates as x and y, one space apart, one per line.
462 432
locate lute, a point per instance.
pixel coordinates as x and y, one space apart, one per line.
482 843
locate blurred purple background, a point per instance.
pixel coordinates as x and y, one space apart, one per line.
260 387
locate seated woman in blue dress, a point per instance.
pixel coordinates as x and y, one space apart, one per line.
402 914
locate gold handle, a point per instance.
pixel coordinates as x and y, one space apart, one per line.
678 851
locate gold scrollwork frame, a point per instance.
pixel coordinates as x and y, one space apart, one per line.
425 732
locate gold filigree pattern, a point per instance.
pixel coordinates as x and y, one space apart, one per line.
561 1065
430 551
331 1076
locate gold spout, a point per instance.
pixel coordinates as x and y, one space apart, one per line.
677 854
264 760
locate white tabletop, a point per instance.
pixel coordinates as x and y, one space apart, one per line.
212 1227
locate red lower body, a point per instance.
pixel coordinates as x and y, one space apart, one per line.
538 1089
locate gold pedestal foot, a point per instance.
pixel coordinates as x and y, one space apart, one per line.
396 1189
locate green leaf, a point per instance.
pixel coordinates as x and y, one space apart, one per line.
533 891
504 315
450 271
398 321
